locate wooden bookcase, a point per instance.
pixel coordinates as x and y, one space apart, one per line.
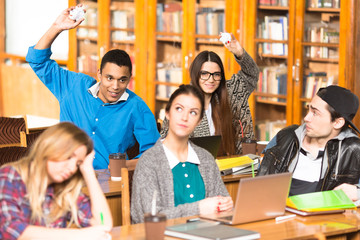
109 24
196 26
308 60
241 17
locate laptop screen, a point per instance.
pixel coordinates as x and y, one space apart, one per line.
210 143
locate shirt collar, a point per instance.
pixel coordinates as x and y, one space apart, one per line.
173 160
94 90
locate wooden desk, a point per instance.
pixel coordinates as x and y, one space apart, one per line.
112 190
335 226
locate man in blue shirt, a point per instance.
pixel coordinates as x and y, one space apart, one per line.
111 114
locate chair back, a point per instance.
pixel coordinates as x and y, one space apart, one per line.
12 132
126 186
11 154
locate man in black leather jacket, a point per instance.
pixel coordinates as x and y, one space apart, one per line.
324 152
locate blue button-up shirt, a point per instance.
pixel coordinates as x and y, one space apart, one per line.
112 127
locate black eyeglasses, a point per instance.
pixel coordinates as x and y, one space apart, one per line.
204 75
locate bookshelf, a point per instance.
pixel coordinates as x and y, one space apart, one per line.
195 26
299 46
241 18
109 24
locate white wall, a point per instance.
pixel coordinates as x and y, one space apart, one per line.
28 20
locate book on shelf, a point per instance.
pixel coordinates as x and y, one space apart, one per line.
202 230
279 3
87 63
323 3
210 21
314 81
266 130
273 80
274 28
319 202
322 32
123 19
168 74
169 17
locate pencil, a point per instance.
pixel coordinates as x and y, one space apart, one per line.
252 169
102 218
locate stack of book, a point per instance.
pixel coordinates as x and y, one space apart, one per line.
315 203
246 164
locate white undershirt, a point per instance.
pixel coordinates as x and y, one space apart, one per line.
208 113
308 168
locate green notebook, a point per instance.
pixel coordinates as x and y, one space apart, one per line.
320 201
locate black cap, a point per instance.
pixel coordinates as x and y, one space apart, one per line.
342 100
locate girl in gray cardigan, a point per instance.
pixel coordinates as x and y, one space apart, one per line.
185 176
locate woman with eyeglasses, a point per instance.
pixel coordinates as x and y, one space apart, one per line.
227 111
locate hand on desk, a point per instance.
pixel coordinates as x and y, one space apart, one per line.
100 232
215 204
349 189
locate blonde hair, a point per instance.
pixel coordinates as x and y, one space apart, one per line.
57 143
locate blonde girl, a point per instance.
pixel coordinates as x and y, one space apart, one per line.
40 194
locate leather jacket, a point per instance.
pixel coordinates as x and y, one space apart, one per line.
277 159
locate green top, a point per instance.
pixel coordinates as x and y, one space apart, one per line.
188 184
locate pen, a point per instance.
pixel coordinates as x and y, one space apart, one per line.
102 218
252 169
281 218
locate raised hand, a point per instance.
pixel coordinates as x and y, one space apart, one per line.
234 46
64 22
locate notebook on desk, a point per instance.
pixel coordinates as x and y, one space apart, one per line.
210 143
258 198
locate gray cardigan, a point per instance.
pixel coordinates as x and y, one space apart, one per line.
239 88
153 173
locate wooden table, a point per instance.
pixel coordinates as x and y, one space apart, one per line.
334 226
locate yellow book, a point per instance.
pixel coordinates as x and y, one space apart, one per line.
228 163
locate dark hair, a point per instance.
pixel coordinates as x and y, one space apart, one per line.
333 114
221 113
187 90
118 57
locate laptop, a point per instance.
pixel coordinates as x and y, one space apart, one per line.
258 198
210 143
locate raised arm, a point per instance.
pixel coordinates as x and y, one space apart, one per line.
63 22
249 73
